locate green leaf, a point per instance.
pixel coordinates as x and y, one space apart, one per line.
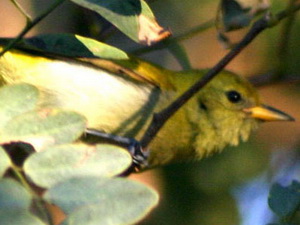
123 14
280 224
59 163
102 50
4 161
19 217
15 100
133 17
179 53
43 128
72 45
13 196
94 200
284 200
15 204
234 16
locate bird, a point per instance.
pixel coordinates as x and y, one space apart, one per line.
120 96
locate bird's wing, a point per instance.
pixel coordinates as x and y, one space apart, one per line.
135 69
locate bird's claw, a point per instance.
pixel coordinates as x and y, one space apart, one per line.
139 156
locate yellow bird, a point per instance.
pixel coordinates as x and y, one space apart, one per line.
120 96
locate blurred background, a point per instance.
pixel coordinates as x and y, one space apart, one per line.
232 187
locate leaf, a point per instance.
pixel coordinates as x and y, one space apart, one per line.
284 200
179 53
94 200
256 6
43 128
237 14
4 161
15 204
72 45
15 100
132 17
13 196
21 217
59 163
234 16
280 224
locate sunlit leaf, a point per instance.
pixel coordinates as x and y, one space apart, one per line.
59 163
74 46
43 128
93 200
15 100
133 17
4 161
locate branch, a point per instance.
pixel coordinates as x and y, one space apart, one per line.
264 80
160 118
30 25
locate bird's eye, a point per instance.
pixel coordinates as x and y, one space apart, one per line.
234 96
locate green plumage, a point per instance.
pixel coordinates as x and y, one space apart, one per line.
120 97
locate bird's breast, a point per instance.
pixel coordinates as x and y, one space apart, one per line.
110 102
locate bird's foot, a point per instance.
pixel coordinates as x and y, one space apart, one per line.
139 156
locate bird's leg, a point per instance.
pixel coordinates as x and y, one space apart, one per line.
139 156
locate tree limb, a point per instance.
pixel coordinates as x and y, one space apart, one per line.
160 118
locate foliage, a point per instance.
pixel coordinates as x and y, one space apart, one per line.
79 178
285 202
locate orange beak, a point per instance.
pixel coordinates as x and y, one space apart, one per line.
267 113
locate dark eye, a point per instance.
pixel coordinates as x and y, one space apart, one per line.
234 96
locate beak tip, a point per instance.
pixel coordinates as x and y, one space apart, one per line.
267 113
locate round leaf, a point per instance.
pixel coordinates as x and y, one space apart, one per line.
13 196
15 204
284 200
4 161
43 128
94 200
21 217
59 163
15 100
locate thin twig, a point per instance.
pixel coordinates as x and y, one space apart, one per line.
160 118
264 80
30 25
22 11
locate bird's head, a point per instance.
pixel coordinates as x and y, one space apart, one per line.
229 109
